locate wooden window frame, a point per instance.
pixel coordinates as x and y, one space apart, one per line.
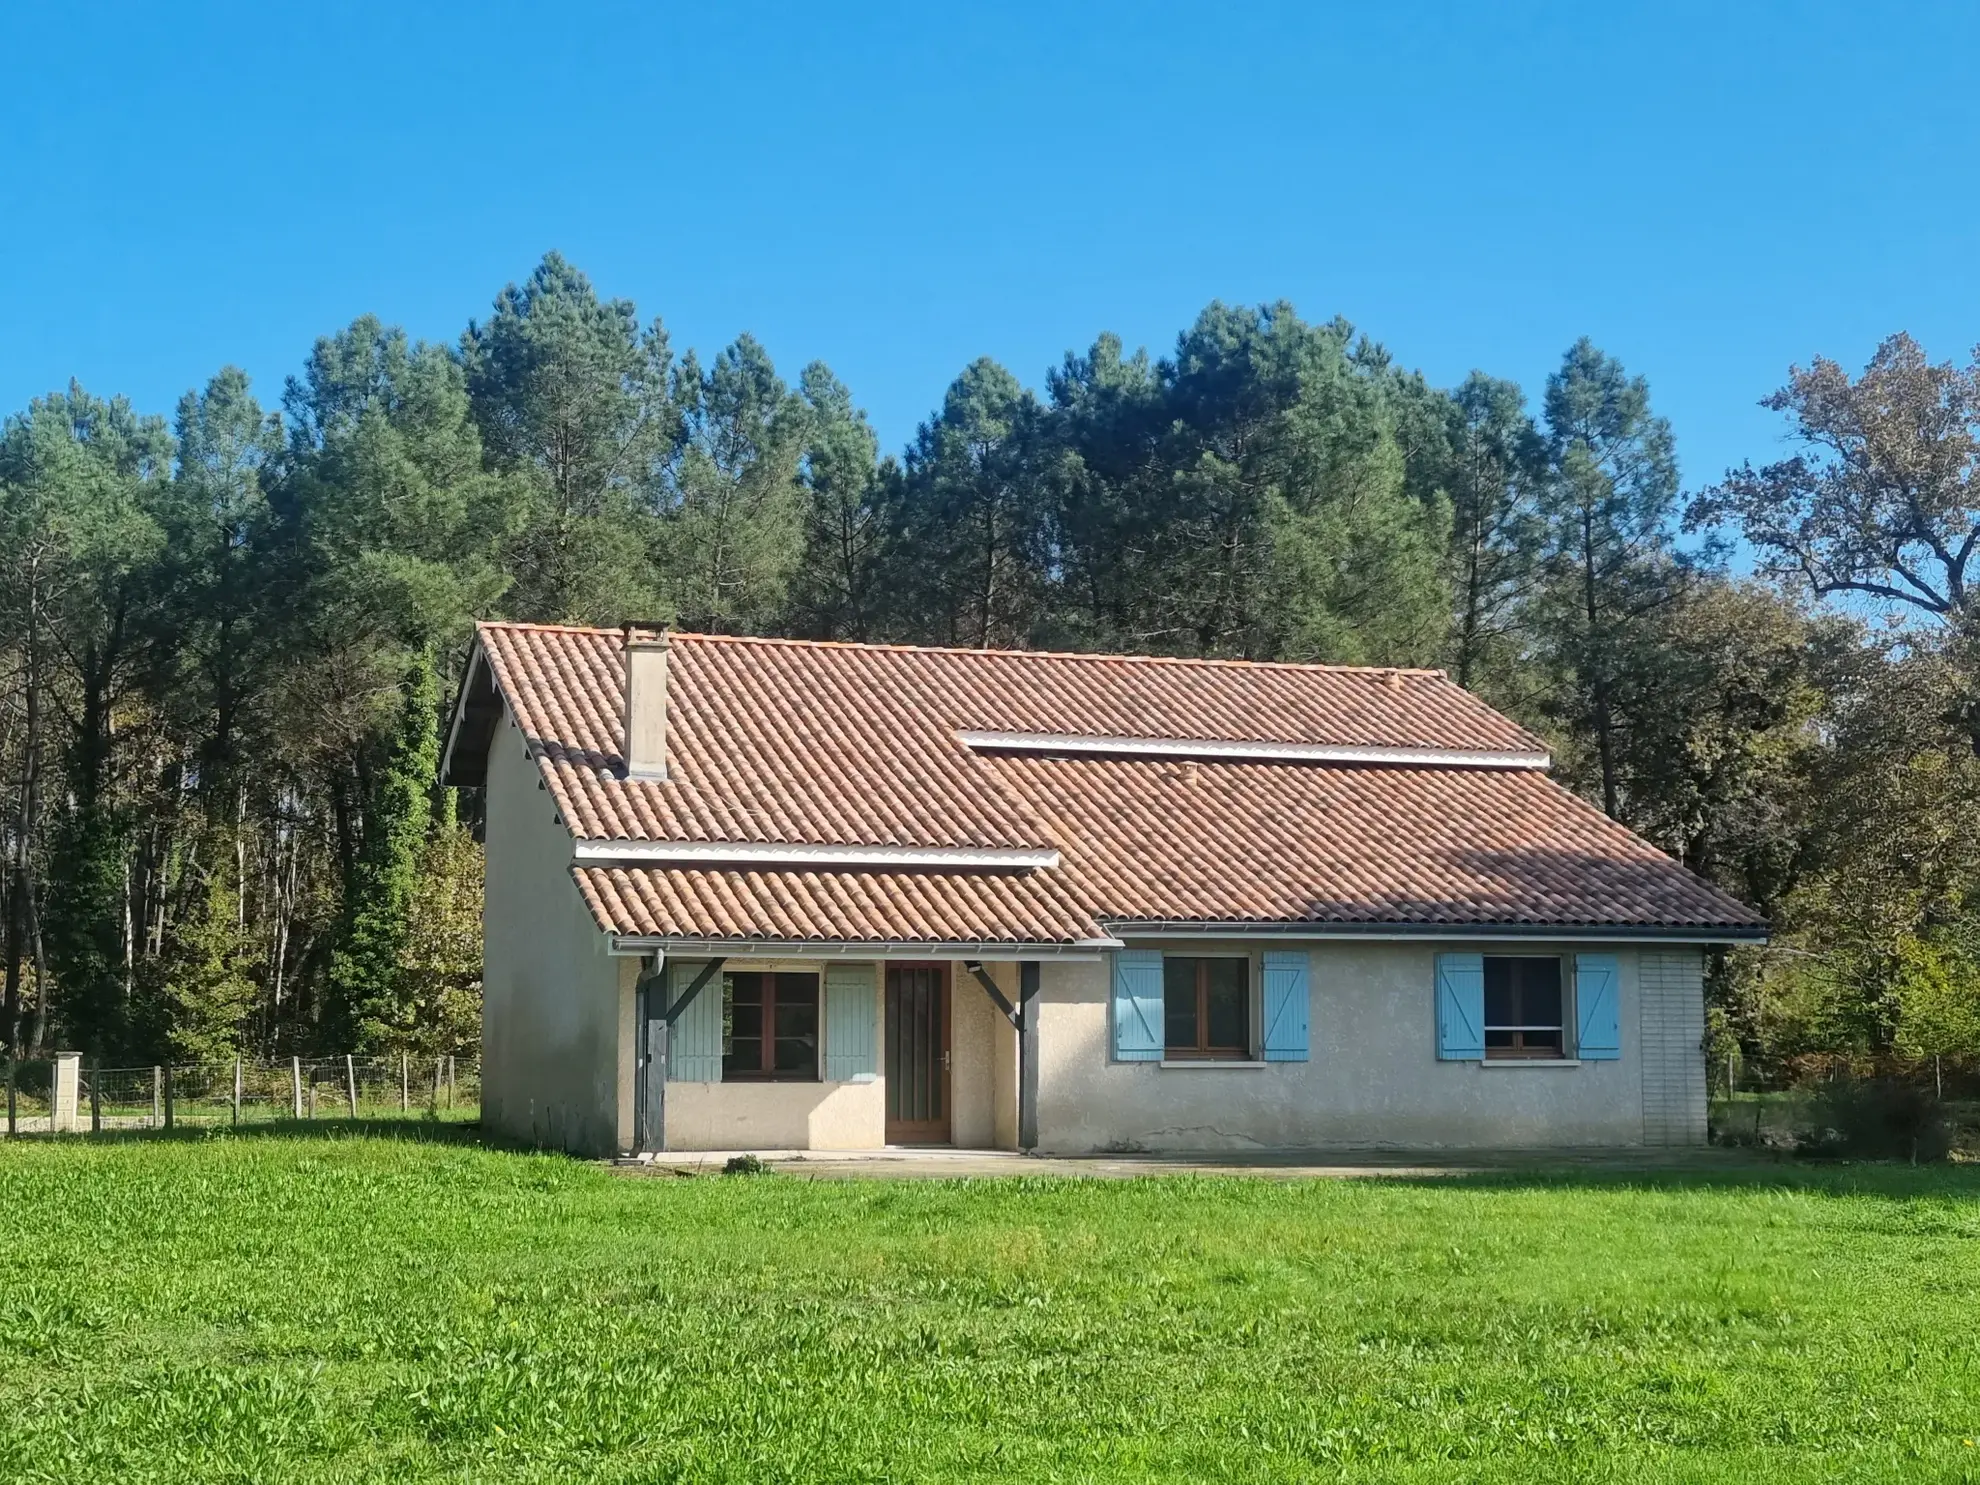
767 1070
1518 1051
1202 1052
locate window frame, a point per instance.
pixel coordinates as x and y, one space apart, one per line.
767 1070
1202 1052
1564 1050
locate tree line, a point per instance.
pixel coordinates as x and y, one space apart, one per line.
228 639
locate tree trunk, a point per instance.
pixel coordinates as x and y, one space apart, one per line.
1595 656
20 891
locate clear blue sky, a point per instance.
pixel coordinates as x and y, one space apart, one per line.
1710 191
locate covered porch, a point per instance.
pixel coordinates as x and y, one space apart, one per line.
762 1046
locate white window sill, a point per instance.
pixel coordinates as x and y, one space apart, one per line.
1196 1062
1522 1064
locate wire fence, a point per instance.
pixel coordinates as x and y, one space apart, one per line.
68 1095
1776 1102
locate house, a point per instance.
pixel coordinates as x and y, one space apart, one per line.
763 893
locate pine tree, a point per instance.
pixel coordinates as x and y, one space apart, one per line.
570 393
734 529
849 497
1609 508
368 994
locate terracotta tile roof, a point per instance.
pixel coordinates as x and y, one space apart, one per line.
981 907
1159 840
790 742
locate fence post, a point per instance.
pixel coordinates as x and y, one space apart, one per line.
13 1121
450 1080
157 1095
168 1095
64 1078
439 1064
237 1092
405 1083
295 1083
350 1081
96 1095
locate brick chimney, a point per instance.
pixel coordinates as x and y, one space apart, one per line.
646 704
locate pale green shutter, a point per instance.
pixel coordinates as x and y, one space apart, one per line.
694 1050
850 1044
1286 1000
1461 1007
1138 1005
1597 1014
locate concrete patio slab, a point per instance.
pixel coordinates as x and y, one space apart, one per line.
922 1163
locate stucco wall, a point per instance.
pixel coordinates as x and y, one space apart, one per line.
776 1116
983 1080
551 997
1373 1077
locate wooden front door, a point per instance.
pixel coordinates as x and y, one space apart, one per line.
917 1054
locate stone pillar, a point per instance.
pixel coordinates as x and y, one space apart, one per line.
62 1099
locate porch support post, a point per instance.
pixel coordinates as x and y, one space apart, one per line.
1027 1028
656 1020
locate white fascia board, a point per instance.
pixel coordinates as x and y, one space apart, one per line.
626 944
799 854
1429 934
1250 752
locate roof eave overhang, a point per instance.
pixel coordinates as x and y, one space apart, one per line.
1648 933
478 691
800 948
1227 750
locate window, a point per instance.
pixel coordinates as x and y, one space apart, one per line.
1523 1005
1206 1007
769 1027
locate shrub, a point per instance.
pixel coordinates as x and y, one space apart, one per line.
1877 1119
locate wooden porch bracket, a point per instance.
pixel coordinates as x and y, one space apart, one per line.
708 972
1011 1012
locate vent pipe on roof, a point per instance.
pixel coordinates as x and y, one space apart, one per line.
646 704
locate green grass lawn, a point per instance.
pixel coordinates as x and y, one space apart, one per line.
333 1306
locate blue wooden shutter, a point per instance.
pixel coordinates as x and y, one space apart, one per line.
1138 1005
694 1050
1597 1012
849 1021
1285 1006
1460 1006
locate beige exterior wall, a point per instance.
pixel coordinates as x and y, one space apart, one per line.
1373 1078
553 1006
776 1116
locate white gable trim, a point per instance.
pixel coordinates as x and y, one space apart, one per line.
796 949
1260 752
793 853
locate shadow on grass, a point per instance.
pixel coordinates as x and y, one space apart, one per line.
1734 1174
414 1131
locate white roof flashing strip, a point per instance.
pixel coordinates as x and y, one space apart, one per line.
799 854
1251 752
812 948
